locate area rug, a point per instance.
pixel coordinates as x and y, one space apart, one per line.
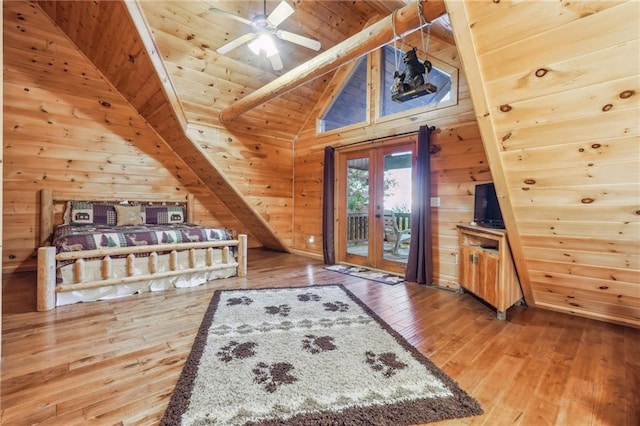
368 274
307 356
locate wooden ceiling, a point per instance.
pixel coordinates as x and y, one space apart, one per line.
188 33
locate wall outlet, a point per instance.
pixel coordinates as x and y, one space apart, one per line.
435 201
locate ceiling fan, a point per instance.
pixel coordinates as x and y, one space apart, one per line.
265 26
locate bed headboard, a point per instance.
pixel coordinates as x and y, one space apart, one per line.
52 203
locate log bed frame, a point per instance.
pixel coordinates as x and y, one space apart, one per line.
47 257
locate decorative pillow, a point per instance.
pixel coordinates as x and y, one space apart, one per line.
164 214
84 212
128 215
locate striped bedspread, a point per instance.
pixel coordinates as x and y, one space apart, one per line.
92 237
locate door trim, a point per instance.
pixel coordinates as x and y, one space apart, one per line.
375 250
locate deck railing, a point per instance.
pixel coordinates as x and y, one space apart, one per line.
358 226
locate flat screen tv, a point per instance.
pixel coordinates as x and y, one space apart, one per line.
486 212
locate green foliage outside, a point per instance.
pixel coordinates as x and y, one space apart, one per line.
358 191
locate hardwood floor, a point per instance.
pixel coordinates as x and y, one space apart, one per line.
116 362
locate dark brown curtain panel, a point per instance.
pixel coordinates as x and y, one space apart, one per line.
420 262
328 250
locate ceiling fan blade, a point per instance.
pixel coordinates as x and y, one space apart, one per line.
230 15
235 43
279 14
276 62
298 39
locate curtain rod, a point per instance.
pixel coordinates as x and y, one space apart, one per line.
381 138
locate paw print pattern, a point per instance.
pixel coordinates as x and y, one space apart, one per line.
316 344
308 297
273 376
386 362
244 300
235 350
336 306
282 310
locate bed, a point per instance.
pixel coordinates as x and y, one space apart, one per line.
102 249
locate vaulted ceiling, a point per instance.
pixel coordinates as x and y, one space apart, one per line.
188 33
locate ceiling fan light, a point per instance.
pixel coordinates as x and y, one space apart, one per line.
263 44
269 47
254 46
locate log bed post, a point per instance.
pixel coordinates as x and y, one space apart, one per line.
46 279
190 208
242 255
46 216
225 255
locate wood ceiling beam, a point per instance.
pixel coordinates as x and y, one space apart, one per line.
396 25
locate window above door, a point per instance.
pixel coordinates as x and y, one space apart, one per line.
360 92
442 75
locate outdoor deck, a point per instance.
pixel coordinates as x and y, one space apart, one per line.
358 237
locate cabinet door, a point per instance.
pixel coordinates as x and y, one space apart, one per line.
468 275
488 265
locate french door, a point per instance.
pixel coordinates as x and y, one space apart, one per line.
373 205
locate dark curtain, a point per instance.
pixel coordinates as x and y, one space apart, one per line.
420 262
328 250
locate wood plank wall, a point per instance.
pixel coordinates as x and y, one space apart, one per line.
561 129
458 165
260 167
94 27
66 128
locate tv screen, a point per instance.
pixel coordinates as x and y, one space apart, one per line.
486 210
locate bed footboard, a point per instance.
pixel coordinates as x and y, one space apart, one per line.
47 258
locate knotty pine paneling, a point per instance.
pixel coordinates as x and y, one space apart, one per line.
260 167
210 82
564 132
134 68
455 168
67 129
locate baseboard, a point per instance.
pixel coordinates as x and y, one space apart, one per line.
312 255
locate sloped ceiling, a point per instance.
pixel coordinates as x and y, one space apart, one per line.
197 83
188 33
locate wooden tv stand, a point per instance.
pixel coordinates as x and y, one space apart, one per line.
486 267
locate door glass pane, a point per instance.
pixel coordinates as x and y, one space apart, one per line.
358 206
397 206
